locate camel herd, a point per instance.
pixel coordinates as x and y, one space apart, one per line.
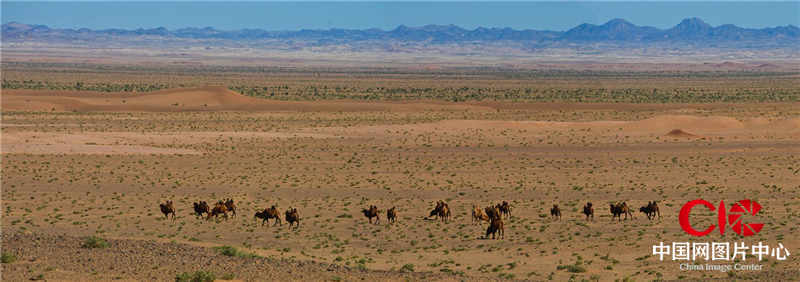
221 208
493 214
617 211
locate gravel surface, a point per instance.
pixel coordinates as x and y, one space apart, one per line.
62 257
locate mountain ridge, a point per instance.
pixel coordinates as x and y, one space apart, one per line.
692 30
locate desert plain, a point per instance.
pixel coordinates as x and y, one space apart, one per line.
89 150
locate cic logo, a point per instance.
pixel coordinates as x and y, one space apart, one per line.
731 217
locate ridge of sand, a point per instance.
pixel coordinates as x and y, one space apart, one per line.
680 133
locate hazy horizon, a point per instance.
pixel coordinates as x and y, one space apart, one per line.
556 16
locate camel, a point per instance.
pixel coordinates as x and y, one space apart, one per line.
651 210
496 223
619 209
391 215
168 208
442 210
218 209
292 217
478 215
266 214
505 209
200 208
588 210
654 210
495 226
435 210
372 212
492 212
231 206
555 212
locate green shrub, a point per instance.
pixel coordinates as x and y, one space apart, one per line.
233 252
572 268
197 276
8 258
94 242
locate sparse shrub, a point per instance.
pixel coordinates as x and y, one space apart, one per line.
233 252
197 276
94 242
572 268
8 258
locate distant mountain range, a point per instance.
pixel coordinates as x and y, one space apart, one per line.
618 31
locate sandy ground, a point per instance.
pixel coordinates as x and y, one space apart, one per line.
106 176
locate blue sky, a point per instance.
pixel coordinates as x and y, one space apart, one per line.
285 15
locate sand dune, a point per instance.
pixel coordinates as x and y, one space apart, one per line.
680 133
211 98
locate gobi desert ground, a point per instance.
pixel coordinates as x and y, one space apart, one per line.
93 149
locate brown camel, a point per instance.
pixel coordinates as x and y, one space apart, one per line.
391 215
478 215
292 217
496 224
266 214
219 209
555 212
651 210
372 212
588 210
617 210
231 207
442 211
505 209
200 208
492 212
168 208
